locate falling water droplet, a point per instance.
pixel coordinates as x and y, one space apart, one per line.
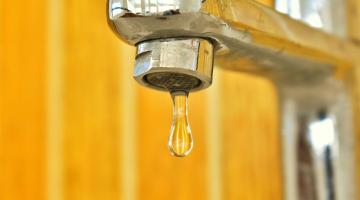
180 140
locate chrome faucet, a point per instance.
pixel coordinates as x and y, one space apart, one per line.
176 46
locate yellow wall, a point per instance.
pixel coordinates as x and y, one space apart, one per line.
75 125
23 121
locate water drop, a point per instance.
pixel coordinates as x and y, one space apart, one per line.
180 140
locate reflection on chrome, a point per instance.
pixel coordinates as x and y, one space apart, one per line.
322 138
151 7
322 134
329 15
317 142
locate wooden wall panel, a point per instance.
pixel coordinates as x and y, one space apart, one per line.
251 138
22 99
91 103
354 81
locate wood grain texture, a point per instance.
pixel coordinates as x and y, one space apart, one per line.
92 102
354 79
55 66
355 85
22 99
251 138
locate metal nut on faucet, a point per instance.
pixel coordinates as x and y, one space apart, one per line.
175 64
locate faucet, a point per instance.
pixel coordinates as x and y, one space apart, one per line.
179 41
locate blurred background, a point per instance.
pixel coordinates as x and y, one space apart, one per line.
75 125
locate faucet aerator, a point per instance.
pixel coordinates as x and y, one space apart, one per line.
175 64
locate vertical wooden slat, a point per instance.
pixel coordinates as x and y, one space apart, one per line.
354 84
55 52
353 20
22 102
214 139
127 146
92 103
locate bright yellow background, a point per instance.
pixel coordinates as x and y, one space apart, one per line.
75 125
